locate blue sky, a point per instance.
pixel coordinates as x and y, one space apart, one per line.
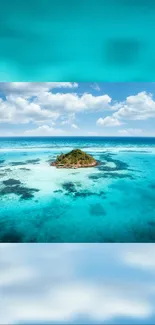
72 109
73 283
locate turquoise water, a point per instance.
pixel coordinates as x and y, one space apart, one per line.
83 40
113 202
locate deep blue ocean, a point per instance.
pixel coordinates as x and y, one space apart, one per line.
112 202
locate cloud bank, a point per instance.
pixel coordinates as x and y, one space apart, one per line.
67 108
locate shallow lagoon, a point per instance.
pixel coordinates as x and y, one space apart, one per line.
112 202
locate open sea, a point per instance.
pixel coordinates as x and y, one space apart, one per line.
112 202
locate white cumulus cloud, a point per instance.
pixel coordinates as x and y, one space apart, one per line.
74 126
37 103
130 131
138 107
28 89
49 102
44 130
108 121
95 86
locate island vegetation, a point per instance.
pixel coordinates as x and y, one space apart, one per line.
74 159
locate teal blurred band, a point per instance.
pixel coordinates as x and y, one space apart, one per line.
77 40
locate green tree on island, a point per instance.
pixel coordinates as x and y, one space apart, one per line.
74 159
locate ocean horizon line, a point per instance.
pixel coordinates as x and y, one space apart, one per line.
77 136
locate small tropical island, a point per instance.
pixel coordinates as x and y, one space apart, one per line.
74 159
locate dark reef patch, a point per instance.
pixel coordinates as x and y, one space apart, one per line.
18 163
11 182
58 191
26 193
2 161
74 189
83 194
97 210
101 193
117 175
22 163
112 174
144 234
106 158
2 174
33 161
69 187
119 165
108 171
135 151
9 234
25 169
95 176
13 186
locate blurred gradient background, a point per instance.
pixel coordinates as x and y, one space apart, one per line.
77 284
82 40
